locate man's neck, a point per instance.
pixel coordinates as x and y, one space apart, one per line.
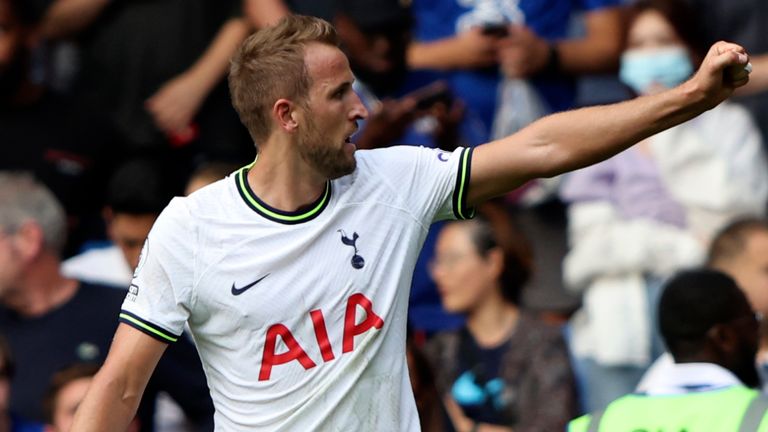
281 178
42 289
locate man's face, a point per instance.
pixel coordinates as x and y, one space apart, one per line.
128 232
750 270
331 114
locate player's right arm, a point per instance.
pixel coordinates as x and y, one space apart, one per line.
114 394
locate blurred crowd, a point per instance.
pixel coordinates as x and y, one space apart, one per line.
544 307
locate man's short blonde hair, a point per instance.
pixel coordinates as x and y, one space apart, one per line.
270 65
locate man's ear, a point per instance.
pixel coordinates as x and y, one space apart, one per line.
724 337
495 258
286 115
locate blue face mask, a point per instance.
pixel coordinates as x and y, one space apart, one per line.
668 67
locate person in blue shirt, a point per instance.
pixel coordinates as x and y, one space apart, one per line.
461 41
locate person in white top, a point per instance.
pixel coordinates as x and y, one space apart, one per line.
293 272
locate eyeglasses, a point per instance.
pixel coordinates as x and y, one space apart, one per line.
446 261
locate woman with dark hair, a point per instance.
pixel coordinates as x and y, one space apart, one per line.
651 210
505 369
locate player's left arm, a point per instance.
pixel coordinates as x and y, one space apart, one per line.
570 140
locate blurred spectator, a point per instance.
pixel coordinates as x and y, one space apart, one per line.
207 174
155 69
52 321
505 370
468 40
8 421
136 194
39 130
741 251
66 391
375 35
712 333
651 210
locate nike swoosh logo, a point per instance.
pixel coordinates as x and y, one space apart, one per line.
237 291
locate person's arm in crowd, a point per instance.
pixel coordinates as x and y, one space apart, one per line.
176 102
570 140
263 13
462 423
599 49
67 17
386 122
467 50
758 79
115 392
523 53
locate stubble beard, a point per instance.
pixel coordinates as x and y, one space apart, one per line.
327 157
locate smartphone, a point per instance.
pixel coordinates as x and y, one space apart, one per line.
431 94
495 29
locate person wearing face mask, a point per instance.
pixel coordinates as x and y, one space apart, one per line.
642 215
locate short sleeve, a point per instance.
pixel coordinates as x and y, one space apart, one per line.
158 300
432 183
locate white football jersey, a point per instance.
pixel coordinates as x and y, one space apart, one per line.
300 317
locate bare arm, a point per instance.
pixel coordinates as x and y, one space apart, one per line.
214 62
263 13
175 104
599 49
758 79
571 140
469 49
523 53
114 395
67 17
